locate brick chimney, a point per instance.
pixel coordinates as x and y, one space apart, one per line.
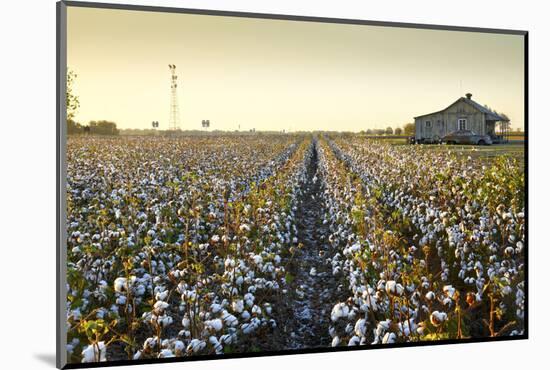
469 96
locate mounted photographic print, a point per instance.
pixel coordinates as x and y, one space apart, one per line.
235 184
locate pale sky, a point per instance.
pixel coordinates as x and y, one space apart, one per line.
279 74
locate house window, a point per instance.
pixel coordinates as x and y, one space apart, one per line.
428 124
462 123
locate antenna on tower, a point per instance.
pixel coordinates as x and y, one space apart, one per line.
174 121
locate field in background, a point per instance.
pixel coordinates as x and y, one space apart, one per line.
514 149
486 153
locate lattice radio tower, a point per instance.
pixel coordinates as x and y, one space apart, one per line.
174 121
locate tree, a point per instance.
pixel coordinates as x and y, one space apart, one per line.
398 131
389 130
72 100
103 128
74 128
409 129
369 132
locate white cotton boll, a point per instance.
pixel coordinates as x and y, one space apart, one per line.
196 345
393 288
186 322
230 320
120 284
257 260
245 315
184 333
430 296
335 341
216 344
238 306
248 328
338 311
404 328
249 299
382 327
215 308
215 238
226 338
229 263
506 290
160 305
437 318
509 251
449 291
166 321
166 353
361 327
92 352
137 355
256 310
150 343
140 290
354 341
161 296
389 338
215 324
519 247
121 300
313 271
239 281
244 228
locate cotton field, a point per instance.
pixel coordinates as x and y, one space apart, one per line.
211 245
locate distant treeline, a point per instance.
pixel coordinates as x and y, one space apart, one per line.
408 129
93 128
110 128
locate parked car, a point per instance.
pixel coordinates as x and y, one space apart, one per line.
466 137
425 140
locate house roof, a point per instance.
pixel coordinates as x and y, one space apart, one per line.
492 116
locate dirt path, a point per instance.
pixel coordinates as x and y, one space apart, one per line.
313 287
